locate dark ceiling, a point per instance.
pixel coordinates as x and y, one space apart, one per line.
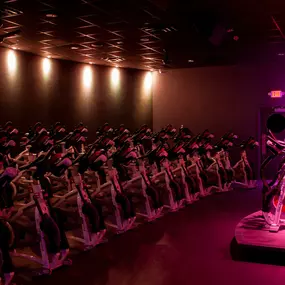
153 34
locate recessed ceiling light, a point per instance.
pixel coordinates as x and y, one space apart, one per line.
74 47
48 56
280 54
190 60
50 15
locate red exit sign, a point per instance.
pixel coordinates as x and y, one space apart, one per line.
276 94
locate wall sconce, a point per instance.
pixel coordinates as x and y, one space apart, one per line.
11 62
148 82
115 77
46 65
87 77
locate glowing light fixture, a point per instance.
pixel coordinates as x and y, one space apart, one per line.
87 77
148 82
46 66
11 61
115 77
276 94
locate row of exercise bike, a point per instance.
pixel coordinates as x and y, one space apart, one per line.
52 183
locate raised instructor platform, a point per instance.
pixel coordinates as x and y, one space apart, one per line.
253 231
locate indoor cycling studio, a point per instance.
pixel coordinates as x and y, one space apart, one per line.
142 142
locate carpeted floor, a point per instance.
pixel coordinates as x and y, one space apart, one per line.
191 246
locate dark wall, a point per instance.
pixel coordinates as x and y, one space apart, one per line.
27 96
218 98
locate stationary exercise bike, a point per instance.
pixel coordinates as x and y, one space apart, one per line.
130 163
46 220
108 188
273 209
243 172
164 178
177 157
211 169
7 237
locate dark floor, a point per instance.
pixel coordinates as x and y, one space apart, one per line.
191 246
